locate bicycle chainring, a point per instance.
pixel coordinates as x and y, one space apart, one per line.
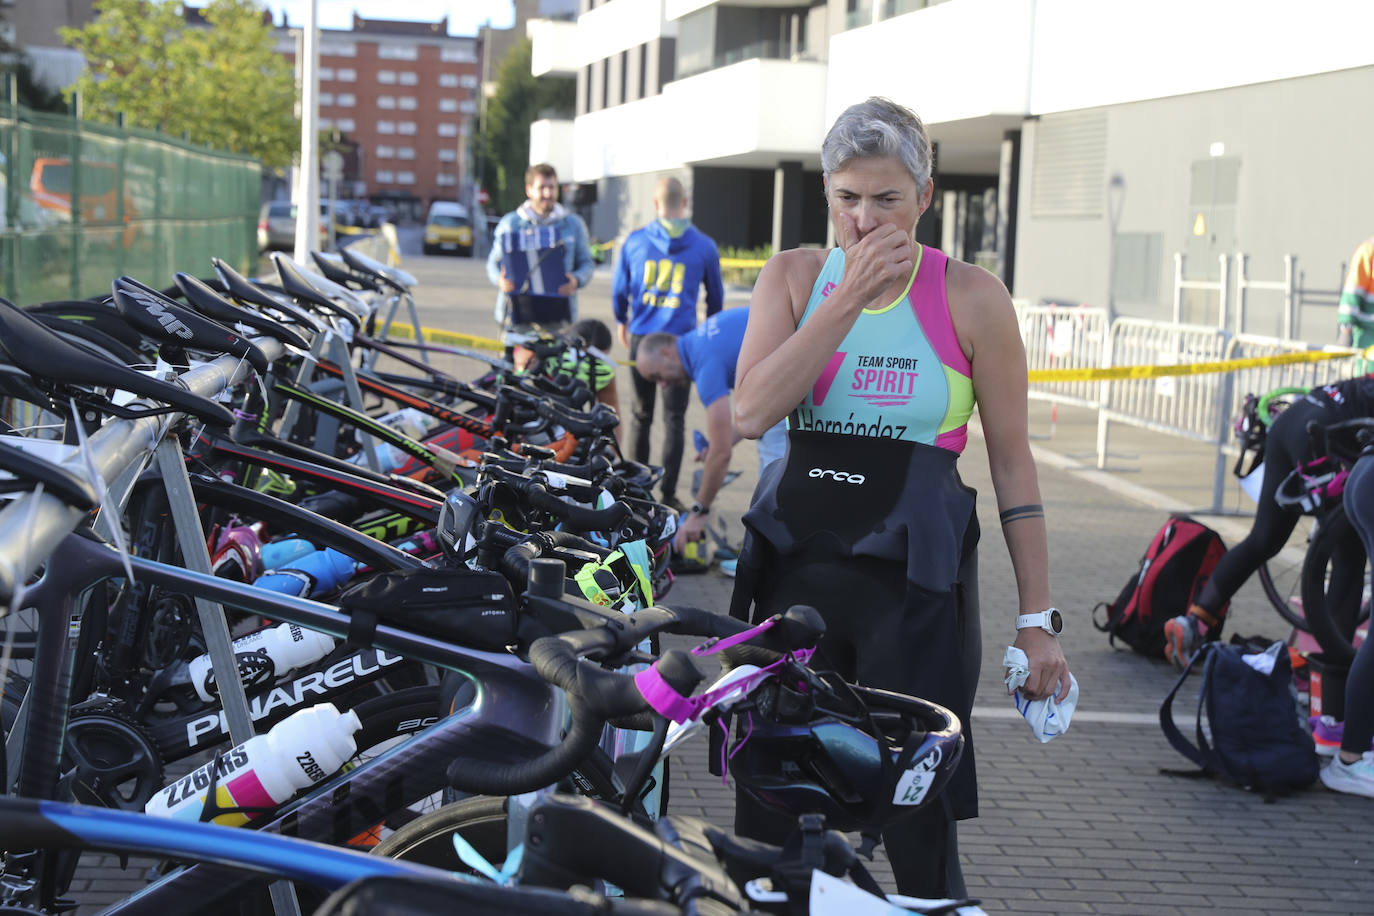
109 759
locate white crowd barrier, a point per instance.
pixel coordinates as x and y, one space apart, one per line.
1201 407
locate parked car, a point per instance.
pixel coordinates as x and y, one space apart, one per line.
448 228
277 225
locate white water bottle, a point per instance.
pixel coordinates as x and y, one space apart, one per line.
264 771
262 656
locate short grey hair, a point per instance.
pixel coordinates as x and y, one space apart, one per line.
878 127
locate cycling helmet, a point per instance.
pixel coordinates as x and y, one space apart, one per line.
236 552
861 757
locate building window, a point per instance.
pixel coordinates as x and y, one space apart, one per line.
345 124
405 177
405 152
409 78
448 105
458 55
390 51
346 74
448 80
448 155
345 100
448 130
468 106
386 152
326 73
406 103
386 101
386 77
325 123
386 175
386 127
326 98
338 49
407 127
445 181
468 81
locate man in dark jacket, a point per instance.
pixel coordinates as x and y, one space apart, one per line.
661 268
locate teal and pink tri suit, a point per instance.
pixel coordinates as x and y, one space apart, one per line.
894 377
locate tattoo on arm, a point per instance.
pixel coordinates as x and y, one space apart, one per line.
1017 513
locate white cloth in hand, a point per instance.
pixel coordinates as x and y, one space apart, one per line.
1047 718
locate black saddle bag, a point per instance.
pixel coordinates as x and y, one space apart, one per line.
471 608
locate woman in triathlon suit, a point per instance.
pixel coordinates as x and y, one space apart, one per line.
876 352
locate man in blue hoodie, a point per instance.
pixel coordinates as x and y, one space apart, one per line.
541 224
661 268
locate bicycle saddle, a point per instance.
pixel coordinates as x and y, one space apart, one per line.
46 356
306 287
248 293
398 279
75 491
334 270
162 319
214 306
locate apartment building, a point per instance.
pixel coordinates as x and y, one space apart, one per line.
404 95
1080 144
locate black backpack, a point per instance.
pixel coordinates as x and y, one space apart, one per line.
1257 740
1175 567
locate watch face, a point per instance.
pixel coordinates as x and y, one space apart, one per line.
1056 622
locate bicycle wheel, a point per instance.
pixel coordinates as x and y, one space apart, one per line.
480 820
1333 578
1281 580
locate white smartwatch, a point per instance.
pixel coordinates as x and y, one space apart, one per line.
1049 620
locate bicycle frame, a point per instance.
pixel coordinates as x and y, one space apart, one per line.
508 696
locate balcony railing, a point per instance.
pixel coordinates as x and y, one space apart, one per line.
863 15
768 49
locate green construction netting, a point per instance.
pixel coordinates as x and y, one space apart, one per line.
147 205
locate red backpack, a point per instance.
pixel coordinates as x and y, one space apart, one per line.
1176 566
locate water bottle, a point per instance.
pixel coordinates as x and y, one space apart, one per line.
314 574
263 656
262 772
279 553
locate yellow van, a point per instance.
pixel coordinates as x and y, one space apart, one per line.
448 228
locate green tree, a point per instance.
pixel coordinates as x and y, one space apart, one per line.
520 100
224 86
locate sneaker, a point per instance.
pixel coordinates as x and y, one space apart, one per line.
1182 636
728 566
1353 778
1326 734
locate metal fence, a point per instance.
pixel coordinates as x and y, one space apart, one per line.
1199 406
86 202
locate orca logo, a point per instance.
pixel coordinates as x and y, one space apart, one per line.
838 476
172 323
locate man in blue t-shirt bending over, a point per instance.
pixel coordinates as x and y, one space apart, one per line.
706 357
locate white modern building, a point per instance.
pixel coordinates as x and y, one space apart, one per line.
1080 144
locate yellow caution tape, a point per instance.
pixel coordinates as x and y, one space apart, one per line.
1140 372
745 263
437 335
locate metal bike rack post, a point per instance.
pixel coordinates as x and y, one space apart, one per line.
338 353
394 303
196 555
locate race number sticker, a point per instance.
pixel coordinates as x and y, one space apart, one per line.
913 785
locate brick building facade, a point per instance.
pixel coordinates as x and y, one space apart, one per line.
405 94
